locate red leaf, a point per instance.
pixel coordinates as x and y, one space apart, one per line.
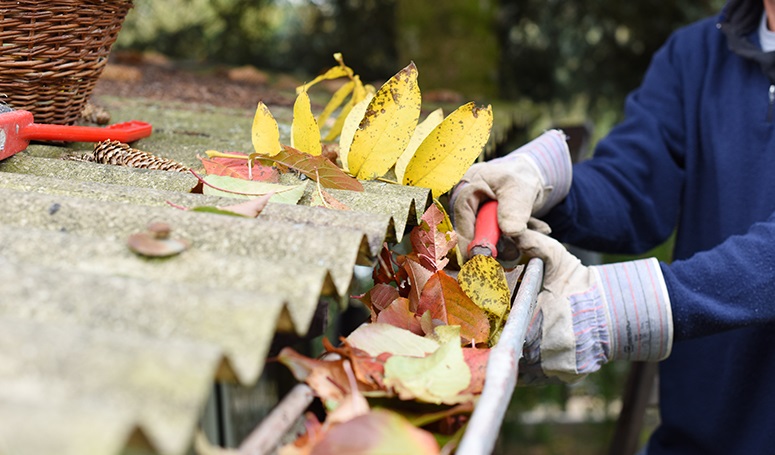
384 272
378 432
399 315
417 276
446 301
477 362
381 296
237 168
429 243
317 168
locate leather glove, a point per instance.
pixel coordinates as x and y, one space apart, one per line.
527 182
587 316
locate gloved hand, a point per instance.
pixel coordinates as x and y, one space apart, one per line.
527 182
587 316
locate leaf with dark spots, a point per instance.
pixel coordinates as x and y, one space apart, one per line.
449 150
387 126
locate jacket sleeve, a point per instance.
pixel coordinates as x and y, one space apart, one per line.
626 198
727 287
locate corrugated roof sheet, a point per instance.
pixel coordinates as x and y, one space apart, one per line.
101 348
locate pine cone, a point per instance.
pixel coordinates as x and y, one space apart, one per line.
121 154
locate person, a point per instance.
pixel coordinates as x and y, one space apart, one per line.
695 156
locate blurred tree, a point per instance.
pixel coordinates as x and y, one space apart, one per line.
554 50
363 30
453 44
544 50
226 31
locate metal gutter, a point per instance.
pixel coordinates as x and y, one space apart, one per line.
502 368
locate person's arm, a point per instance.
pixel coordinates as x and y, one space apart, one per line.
589 315
626 198
730 286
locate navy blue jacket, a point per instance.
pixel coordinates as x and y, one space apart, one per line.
696 154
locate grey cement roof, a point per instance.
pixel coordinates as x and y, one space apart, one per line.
103 349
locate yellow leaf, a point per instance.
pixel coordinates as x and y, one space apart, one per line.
420 133
265 133
305 135
437 378
332 73
450 149
483 281
349 127
359 93
336 100
387 126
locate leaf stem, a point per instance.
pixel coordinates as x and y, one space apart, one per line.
320 190
217 154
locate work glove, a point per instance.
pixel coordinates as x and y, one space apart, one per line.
588 316
526 183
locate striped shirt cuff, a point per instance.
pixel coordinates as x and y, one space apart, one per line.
590 328
639 317
551 156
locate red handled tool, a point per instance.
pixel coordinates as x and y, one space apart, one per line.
486 231
17 129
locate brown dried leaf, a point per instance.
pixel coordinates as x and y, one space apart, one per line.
417 276
317 168
326 377
250 208
446 301
399 315
369 371
353 405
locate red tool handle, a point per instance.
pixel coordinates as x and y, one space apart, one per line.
486 231
123 132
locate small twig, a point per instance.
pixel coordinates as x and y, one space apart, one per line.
266 437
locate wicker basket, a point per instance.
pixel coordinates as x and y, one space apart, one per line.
53 51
